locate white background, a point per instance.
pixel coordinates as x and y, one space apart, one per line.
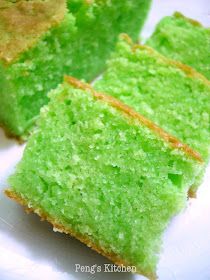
29 249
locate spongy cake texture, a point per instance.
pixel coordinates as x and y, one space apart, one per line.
174 96
40 43
185 40
105 174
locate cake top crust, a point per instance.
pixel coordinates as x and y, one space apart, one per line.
190 20
187 70
23 22
172 141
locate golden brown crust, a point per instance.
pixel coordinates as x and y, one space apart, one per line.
61 228
174 142
189 71
22 23
11 135
192 193
190 20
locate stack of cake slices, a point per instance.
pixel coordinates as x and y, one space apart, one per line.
174 96
112 163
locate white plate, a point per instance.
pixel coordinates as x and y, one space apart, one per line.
29 249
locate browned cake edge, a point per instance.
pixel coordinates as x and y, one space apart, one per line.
189 71
57 226
11 135
25 22
192 193
190 20
129 112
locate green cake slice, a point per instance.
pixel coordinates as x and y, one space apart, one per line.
101 172
43 40
172 95
185 40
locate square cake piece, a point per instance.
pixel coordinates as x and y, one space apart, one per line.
172 95
101 172
185 40
43 40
